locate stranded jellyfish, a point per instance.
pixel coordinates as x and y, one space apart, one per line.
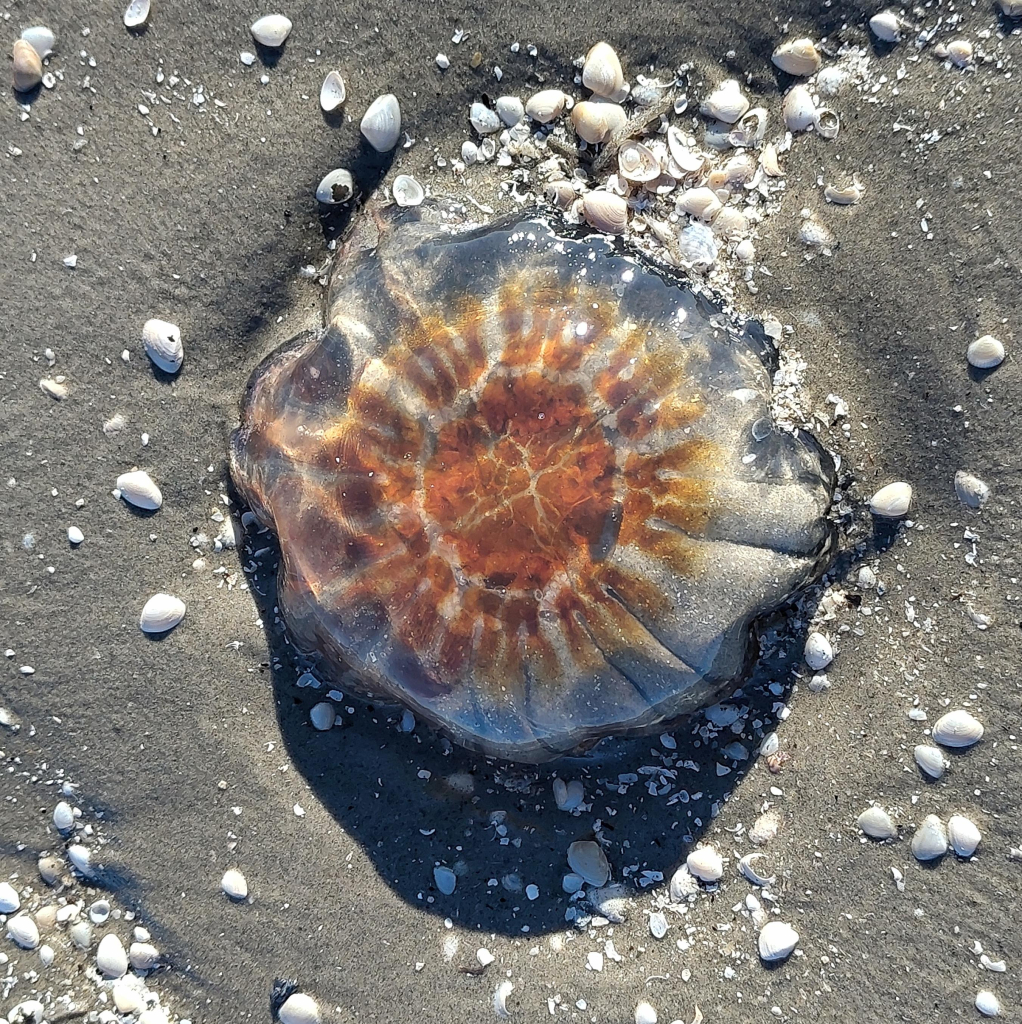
527 485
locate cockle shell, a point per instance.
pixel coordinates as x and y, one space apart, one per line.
28 67
970 489
161 613
963 835
271 30
886 26
777 940
407 191
985 353
798 109
930 760
546 105
41 39
596 120
586 858
706 864
798 57
876 823
605 211
957 729
726 103
139 489
333 92
602 73
892 501
637 162
336 187
381 123
136 14
163 345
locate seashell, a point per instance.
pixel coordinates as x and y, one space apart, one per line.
81 860
886 26
111 959
81 934
23 931
41 39
586 858
745 866
322 716
595 121
697 246
137 14
827 123
699 202
777 941
299 1008
688 160
605 212
726 103
546 105
50 869
705 864
446 880
381 123
740 169
271 30
957 729
10 901
336 187
730 223
138 488
892 501
1011 8
970 489
611 902
161 613
830 81
602 74
657 924
469 153
333 92
571 882
28 66
127 998
930 840
54 388
75 536
986 1002
63 817
815 235
407 191
568 795
234 885
645 1014
985 353
751 128
510 110
930 760
484 120
637 162
769 162
963 835
559 193
876 823
143 956
818 652
504 989
798 109
959 52
163 345
846 195
799 57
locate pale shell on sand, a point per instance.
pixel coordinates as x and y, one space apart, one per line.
818 652
985 353
271 30
963 835
798 57
892 501
162 341
10 901
381 123
136 14
876 823
299 1008
111 959
777 941
970 489
22 929
930 839
586 858
138 488
332 93
957 729
234 884
987 1003
930 760
706 864
161 613
605 212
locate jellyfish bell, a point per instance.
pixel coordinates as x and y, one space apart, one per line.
526 484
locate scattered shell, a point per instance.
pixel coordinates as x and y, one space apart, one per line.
798 109
163 345
127 998
637 162
768 160
10 901
63 817
28 66
930 760
963 835
892 501
697 245
81 860
75 536
23 931
611 902
333 92
730 223
484 956
381 123
645 1014
985 353
407 191
560 194
572 883
799 57
41 39
827 123
688 160
161 613
986 1002
957 729
322 716
143 956
504 989
815 235
970 489
830 81
930 839
586 858
596 120
138 488
271 30
705 863
601 73
81 934
111 959
777 941
483 119
846 195
446 880
886 26
546 105
510 110
700 202
605 212
137 14
50 869
959 52
726 103
234 884
299 1008
657 924
876 823
336 187
818 652
568 795
469 152
745 866
750 129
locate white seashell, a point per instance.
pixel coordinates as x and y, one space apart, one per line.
81 860
54 388
81 934
611 902
745 250
657 924
876 823
484 956
846 195
137 488
645 1014
886 26
637 162
777 941
30 1011
705 863
336 187
750 129
596 120
23 931
740 169
63 817
602 74
504 989
815 235
299 1008
957 729
798 109
111 960
234 885
970 489
163 345
407 191
746 867
682 885
730 223
830 81
699 202
687 159
483 119
568 795
161 613
10 901
41 39
510 110
769 162
572 882
75 536
333 92
726 103
963 835
127 998
322 716
959 52
799 57
827 123
469 153
137 14
818 652
381 123
560 194
986 1002
930 839
28 66
985 353
546 105
892 501
697 245
930 760
446 880
142 956
586 858
605 212
271 30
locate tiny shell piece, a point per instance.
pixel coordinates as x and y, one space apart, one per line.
54 388
546 105
892 501
336 187
726 103
930 840
333 92
161 613
970 489
111 959
798 109
234 884
799 57
745 866
957 729
407 191
138 488
23 930
985 353
657 924
504 989
163 344
271 30
41 39
28 67
75 536
605 212
818 652
601 73
986 1002
299 1008
381 123
137 13
876 823
886 26
930 760
706 864
586 858
963 835
777 941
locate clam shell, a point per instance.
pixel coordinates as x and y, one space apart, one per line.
827 123
28 66
986 1002
963 835
469 153
333 92
959 52
798 57
162 612
41 39
957 729
985 353
777 941
798 109
335 188
596 120
730 223
886 26
10 901
602 73
637 162
81 860
688 160
142 956
163 345
23 931
572 883
705 864
586 858
510 110
559 193
299 1008
769 162
697 245
611 902
892 501
657 924
605 212
930 760
930 840
407 191
845 195
876 823
138 488
970 489
818 652
234 885
271 30
54 388
111 959
381 123
446 880
750 129
63 817
484 120
645 1013
740 169
136 14
726 103
700 202
546 105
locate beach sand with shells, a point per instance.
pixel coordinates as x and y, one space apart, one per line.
193 754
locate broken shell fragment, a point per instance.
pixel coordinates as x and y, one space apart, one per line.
162 341
595 121
28 67
930 839
963 835
41 39
750 129
726 103
602 73
892 501
930 760
827 123
587 859
137 14
985 353
688 160
957 729
605 212
705 864
336 187
333 92
777 941
798 109
970 489
876 823
845 195
161 613
546 105
747 867
407 191
271 30
139 489
381 123
886 26
54 388
769 162
799 57
637 162
815 235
